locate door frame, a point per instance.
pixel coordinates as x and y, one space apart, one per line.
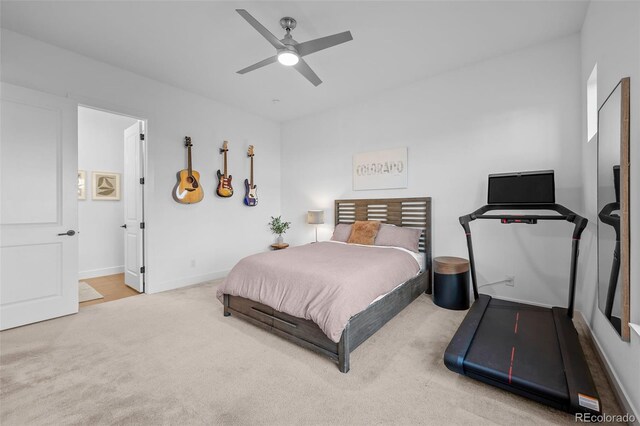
123 111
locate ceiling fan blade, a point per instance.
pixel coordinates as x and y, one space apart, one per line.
261 29
304 69
322 43
258 65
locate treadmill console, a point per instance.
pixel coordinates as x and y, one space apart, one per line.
522 188
528 221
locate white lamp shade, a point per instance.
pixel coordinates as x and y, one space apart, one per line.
315 217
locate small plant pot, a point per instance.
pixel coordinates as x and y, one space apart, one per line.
280 240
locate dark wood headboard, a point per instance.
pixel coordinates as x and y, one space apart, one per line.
407 212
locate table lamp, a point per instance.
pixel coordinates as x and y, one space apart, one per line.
315 217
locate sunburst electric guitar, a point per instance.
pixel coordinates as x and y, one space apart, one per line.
250 194
224 179
188 189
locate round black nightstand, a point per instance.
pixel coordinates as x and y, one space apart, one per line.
451 282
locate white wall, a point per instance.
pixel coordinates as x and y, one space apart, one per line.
516 112
100 148
186 243
611 38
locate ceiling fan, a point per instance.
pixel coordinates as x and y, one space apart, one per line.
289 51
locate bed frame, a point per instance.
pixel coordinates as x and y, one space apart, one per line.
407 212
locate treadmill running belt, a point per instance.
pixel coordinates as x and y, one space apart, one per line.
517 345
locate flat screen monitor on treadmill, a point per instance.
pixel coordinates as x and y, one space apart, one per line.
522 188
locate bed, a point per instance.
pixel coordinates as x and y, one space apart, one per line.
405 212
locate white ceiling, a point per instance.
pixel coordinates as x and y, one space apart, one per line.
199 46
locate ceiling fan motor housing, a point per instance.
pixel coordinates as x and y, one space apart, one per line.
288 41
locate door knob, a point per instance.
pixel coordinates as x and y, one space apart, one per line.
123 226
69 233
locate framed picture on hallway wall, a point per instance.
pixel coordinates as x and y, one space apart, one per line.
385 169
106 186
82 185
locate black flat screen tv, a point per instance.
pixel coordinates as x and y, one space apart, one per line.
537 187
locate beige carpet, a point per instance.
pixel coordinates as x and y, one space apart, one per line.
86 292
172 358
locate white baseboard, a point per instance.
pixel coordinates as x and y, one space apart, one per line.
100 272
153 287
621 394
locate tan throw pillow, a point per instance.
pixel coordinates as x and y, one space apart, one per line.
364 232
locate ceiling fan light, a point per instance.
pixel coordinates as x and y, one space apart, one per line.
288 58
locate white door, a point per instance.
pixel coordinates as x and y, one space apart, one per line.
39 207
133 207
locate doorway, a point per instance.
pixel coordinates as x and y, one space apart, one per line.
111 159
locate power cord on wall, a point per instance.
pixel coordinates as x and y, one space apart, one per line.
507 282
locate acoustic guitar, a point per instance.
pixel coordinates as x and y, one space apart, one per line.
188 189
250 195
224 179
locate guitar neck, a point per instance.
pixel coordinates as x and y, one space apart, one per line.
225 163
252 171
189 160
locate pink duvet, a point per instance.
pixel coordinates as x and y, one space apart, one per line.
325 282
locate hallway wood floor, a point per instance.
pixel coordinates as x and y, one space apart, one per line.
112 287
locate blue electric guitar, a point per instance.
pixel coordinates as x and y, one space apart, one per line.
250 194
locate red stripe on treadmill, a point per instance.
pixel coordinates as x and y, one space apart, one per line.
516 327
513 352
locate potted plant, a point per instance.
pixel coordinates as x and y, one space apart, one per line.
279 227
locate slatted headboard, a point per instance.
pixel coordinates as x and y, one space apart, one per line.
408 212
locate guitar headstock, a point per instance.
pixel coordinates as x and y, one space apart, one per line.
225 146
187 141
250 151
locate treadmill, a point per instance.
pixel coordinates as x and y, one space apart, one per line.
529 350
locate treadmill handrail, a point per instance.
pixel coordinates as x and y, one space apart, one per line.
580 223
565 214
606 216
